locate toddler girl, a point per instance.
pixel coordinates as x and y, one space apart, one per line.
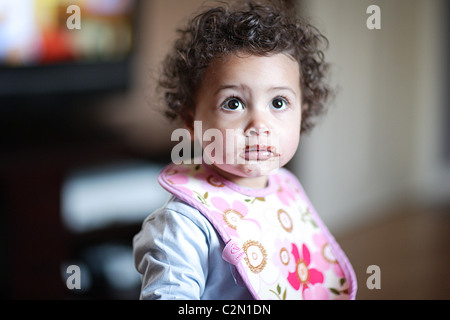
238 226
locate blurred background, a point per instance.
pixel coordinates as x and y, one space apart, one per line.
83 139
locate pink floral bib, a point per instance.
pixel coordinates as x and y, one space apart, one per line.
279 245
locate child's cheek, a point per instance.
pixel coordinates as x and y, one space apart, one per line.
289 145
234 145
222 146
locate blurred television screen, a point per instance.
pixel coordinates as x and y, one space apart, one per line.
35 32
53 46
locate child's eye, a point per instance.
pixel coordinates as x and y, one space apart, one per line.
279 103
233 104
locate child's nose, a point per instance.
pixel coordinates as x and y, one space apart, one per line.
257 124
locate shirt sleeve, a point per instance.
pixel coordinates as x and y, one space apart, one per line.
171 252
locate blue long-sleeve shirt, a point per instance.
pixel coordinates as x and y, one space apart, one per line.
179 254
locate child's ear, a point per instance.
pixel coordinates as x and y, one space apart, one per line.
188 124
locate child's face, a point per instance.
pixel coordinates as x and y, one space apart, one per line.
259 99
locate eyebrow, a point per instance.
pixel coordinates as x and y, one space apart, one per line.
230 86
283 88
244 87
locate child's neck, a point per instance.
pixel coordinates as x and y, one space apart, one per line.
247 182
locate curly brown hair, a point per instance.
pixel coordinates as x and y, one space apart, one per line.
254 27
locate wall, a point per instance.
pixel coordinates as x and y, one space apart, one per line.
431 170
379 144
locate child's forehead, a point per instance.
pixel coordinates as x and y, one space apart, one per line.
246 65
252 74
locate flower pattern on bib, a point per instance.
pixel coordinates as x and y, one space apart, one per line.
287 253
255 256
304 275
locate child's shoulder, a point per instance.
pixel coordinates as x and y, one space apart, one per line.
185 169
179 215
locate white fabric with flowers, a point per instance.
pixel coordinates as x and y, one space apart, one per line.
279 245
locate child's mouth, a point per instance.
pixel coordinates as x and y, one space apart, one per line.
259 152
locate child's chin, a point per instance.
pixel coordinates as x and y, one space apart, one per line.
251 169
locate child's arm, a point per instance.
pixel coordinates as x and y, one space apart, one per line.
171 252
